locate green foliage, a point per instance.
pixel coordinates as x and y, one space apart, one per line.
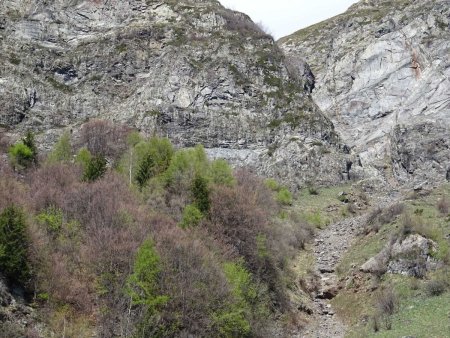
221 173
52 218
191 217
24 154
83 157
13 244
146 158
313 191
317 219
142 284
153 158
20 156
233 322
134 138
28 140
62 151
145 170
272 184
261 245
185 165
284 197
95 168
241 283
200 192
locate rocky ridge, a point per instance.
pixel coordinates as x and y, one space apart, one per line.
382 74
190 70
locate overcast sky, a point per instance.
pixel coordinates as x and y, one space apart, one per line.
283 17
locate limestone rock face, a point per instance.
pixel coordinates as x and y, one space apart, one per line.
380 65
411 256
190 70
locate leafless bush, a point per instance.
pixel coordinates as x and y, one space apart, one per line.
241 23
5 142
240 218
378 217
57 271
241 213
435 287
103 138
51 184
389 214
11 191
443 205
192 278
102 228
376 323
387 301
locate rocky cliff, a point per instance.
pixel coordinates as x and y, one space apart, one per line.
382 75
191 70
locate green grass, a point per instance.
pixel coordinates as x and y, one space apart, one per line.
418 315
323 208
351 307
363 249
304 263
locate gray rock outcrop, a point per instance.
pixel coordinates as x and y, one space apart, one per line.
17 319
383 73
411 256
190 70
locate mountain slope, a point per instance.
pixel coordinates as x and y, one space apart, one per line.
191 70
382 75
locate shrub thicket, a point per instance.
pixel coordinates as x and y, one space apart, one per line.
214 255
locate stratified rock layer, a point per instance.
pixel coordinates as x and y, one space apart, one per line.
191 70
383 76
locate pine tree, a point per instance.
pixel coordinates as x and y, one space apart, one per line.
200 193
28 140
13 245
145 170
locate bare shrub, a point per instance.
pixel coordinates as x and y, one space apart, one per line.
98 204
435 287
240 218
193 280
376 323
51 184
443 205
5 142
389 214
103 138
387 302
241 23
378 217
93 251
11 192
57 271
241 213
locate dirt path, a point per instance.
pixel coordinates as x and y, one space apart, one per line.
329 246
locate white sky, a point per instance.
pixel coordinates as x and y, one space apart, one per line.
283 17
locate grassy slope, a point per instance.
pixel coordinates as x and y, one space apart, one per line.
325 207
418 314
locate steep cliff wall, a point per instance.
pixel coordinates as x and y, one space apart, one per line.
380 65
191 70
